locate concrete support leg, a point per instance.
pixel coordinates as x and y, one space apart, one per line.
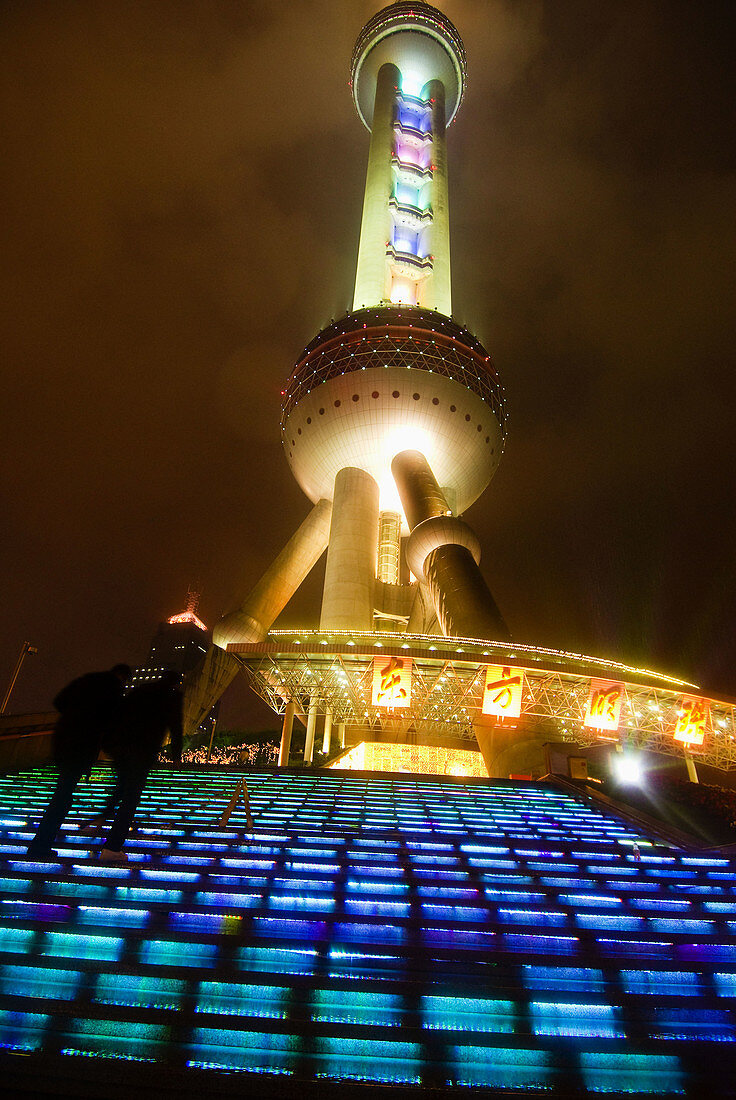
327 736
286 729
204 685
311 726
443 552
255 616
206 682
341 734
692 771
508 751
350 573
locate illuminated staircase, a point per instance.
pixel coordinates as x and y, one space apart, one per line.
401 930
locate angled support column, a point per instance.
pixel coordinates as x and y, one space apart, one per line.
206 682
423 617
255 616
508 751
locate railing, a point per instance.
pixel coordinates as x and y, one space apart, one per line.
411 172
421 263
423 136
410 211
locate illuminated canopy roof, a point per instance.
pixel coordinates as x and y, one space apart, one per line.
448 674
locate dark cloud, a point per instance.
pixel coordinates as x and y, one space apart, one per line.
181 190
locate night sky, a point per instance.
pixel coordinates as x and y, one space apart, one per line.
180 191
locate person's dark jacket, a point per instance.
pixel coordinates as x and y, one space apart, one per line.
88 708
148 711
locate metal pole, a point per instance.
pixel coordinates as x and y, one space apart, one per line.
311 724
212 737
25 648
285 746
692 771
327 737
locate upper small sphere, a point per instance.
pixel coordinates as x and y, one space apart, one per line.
421 42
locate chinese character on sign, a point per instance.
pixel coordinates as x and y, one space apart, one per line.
693 719
391 681
603 708
503 691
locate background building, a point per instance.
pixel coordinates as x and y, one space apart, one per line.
178 645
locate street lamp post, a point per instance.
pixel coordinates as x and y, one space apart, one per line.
25 649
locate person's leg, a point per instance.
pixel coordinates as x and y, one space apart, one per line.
113 799
56 810
132 781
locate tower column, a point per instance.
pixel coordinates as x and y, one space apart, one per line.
347 601
375 230
436 291
444 552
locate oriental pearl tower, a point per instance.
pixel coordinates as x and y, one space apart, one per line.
393 419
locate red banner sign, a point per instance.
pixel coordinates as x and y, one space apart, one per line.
503 690
603 708
693 719
391 682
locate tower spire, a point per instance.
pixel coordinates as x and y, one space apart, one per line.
393 420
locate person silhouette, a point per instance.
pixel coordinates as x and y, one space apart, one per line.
89 707
148 711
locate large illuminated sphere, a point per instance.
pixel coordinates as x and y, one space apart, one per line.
389 379
421 42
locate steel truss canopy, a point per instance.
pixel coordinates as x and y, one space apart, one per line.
335 670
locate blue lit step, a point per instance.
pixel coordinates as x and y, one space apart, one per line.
203 895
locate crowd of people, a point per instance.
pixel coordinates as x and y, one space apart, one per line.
96 713
719 803
262 754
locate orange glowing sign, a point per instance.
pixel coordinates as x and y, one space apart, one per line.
503 690
693 719
603 708
391 682
187 617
